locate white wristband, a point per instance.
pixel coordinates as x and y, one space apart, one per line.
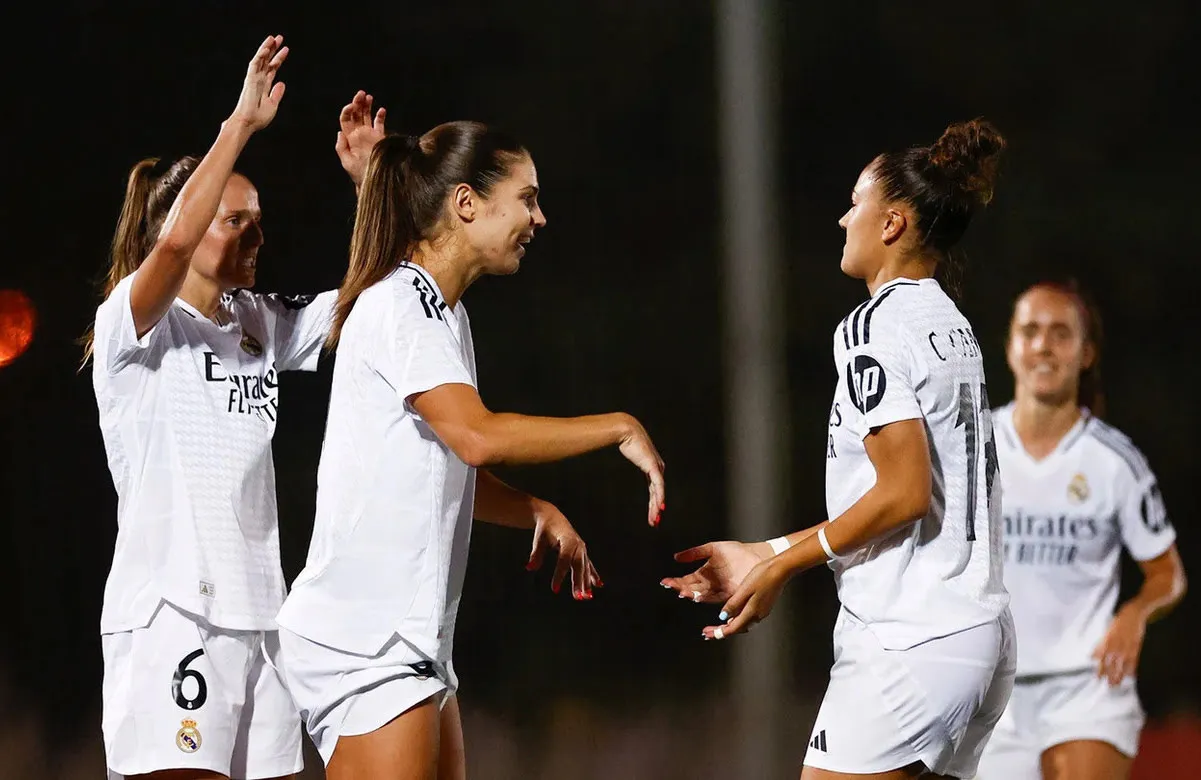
821 537
778 545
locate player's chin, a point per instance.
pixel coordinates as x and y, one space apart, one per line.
509 264
241 279
1050 392
849 267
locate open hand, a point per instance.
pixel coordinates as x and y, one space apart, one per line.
358 135
260 93
726 565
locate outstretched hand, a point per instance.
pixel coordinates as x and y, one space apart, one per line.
726 565
260 93
751 602
358 135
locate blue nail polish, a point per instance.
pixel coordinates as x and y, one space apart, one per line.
722 616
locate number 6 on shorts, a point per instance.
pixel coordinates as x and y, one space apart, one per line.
182 672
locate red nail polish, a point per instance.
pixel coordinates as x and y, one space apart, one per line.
599 584
656 520
663 507
529 566
555 588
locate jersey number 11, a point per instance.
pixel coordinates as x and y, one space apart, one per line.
970 417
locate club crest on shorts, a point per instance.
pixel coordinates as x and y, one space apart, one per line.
187 738
251 345
1078 489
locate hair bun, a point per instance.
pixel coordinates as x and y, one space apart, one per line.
967 156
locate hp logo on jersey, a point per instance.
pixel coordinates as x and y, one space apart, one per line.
865 383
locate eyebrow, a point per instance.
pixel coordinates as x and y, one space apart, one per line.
243 213
531 189
1051 324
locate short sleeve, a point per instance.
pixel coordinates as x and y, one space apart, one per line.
879 381
302 323
115 336
423 353
1142 516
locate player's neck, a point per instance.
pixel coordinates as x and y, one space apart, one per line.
1041 426
452 277
903 266
201 294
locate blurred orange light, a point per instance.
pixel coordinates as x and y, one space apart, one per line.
17 320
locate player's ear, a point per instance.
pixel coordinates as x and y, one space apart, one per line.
1088 355
895 223
463 201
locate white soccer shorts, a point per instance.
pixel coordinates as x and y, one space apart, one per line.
935 703
183 694
1050 710
346 694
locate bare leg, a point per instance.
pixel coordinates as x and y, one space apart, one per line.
452 758
1086 759
405 748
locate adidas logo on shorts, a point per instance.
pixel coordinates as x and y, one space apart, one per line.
819 741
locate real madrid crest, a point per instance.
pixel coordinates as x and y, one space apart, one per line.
251 345
1078 489
187 738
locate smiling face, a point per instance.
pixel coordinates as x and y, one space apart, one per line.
228 253
1048 346
506 220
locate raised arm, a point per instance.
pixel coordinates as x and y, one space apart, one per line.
162 273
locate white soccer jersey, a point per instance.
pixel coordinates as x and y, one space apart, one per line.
907 353
187 413
394 503
1066 518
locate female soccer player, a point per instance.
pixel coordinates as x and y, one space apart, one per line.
366 633
1075 491
923 645
186 368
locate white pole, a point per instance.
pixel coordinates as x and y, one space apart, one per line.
756 407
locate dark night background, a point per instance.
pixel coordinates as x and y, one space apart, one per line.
617 305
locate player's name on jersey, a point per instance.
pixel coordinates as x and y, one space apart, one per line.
255 393
954 341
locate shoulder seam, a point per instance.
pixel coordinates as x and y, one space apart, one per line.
1118 443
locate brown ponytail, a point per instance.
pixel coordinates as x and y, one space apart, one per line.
403 198
150 192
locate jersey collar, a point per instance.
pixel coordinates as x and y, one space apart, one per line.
1065 443
900 280
427 279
